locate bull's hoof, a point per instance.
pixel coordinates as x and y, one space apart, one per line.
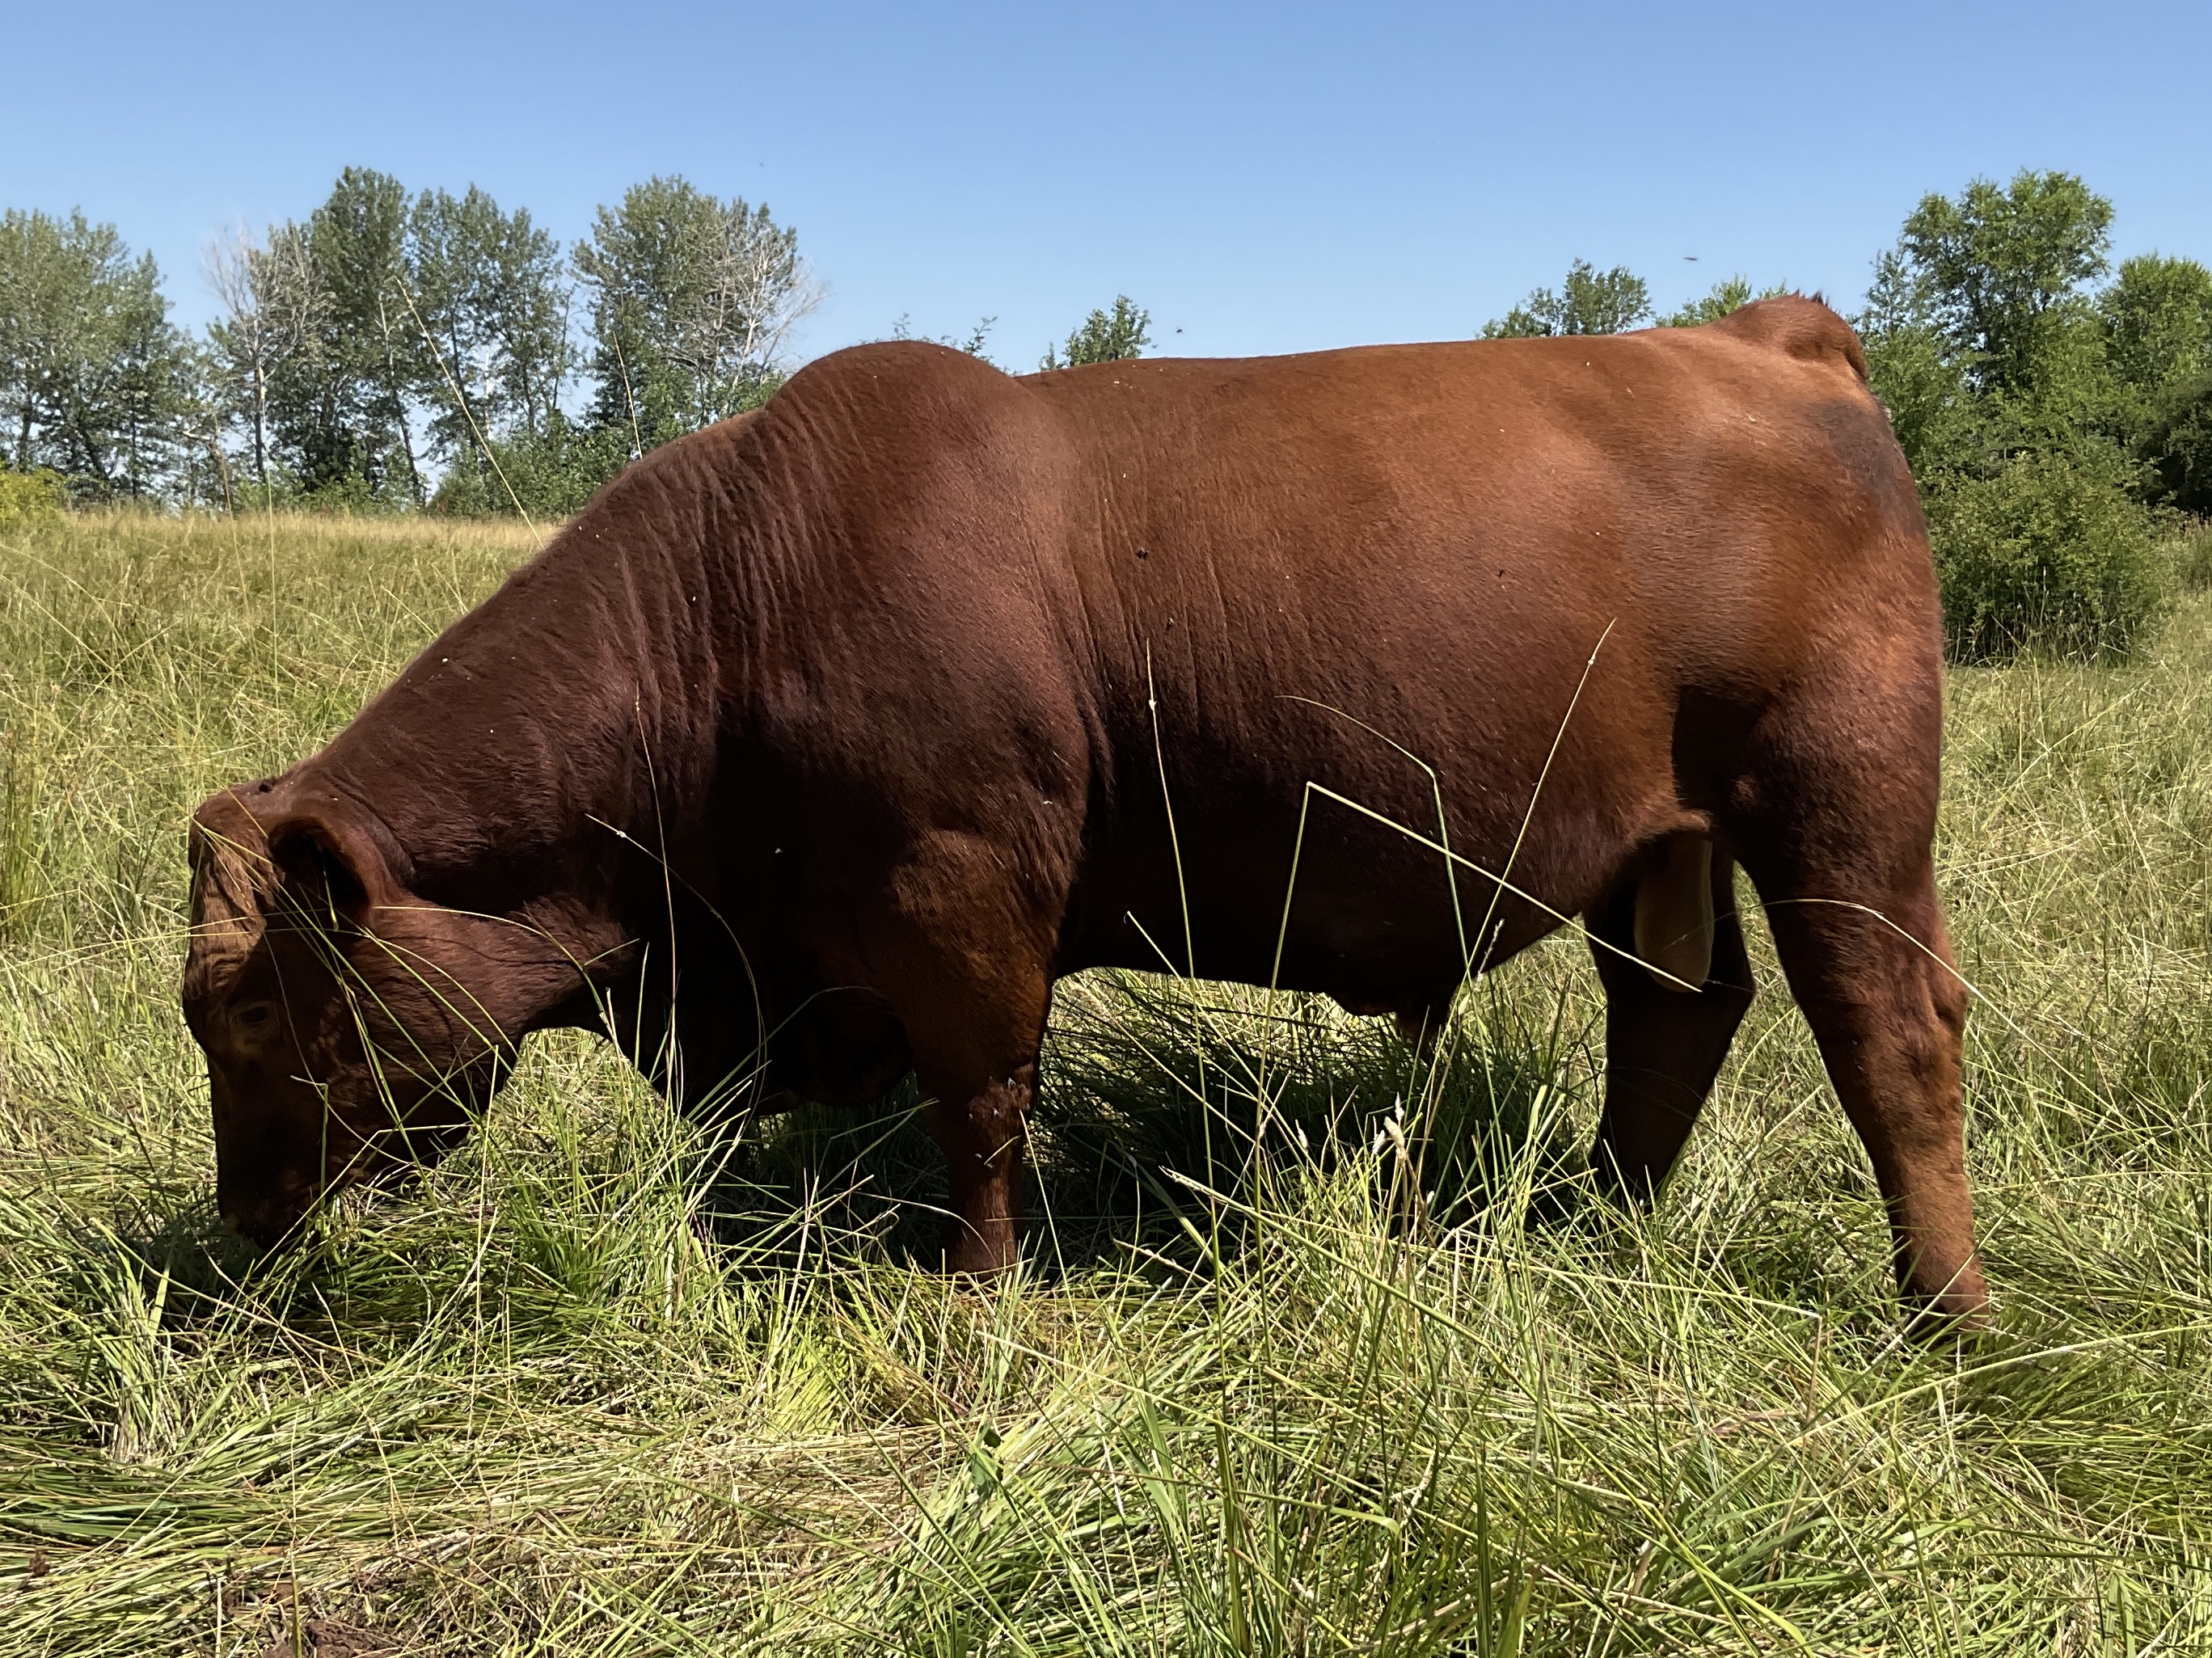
1568 1200
1952 1315
970 1252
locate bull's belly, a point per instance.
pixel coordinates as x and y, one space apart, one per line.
1380 927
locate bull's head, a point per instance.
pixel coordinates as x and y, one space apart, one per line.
351 1028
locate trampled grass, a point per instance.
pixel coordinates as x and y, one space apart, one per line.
1287 1374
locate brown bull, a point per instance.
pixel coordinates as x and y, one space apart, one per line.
824 741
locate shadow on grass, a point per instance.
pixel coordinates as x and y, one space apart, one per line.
187 1267
1169 1113
1166 1111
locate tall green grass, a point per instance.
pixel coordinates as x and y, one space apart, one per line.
1287 1372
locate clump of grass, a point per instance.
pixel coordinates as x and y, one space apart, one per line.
28 498
2046 557
1289 1369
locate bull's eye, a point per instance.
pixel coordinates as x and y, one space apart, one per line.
254 1015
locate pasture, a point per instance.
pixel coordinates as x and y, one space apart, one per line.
1289 1371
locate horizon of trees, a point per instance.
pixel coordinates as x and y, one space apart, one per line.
393 351
400 350
424 350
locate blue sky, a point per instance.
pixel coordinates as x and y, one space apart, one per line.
1262 179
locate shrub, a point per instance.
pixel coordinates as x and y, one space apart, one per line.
2179 444
31 497
2047 556
2192 554
550 473
1943 427
347 495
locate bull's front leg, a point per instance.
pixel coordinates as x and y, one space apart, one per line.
964 961
982 1137
974 1045
975 1022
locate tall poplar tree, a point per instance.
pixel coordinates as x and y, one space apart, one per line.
693 300
95 380
271 314
339 407
1589 301
492 296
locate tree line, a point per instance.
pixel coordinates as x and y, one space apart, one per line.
2057 411
394 349
408 350
429 350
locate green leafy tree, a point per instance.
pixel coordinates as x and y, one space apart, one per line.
1996 269
385 334
490 299
1104 337
96 381
2010 386
2072 402
339 407
2176 443
1589 301
271 304
1942 426
2157 316
1980 337
693 301
548 473
358 238
1940 420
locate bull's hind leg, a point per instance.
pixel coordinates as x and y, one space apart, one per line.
1664 1045
1872 969
1837 823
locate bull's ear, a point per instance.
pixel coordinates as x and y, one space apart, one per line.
232 879
330 857
228 853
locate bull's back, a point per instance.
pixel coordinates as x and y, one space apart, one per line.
1713 490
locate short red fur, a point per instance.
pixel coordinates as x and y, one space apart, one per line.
826 740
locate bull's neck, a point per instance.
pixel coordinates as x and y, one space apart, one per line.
577 708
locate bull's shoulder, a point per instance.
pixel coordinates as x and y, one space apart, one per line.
1798 327
892 407
887 429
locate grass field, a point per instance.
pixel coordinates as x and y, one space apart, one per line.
1287 1373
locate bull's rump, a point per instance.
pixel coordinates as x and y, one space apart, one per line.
1283 567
